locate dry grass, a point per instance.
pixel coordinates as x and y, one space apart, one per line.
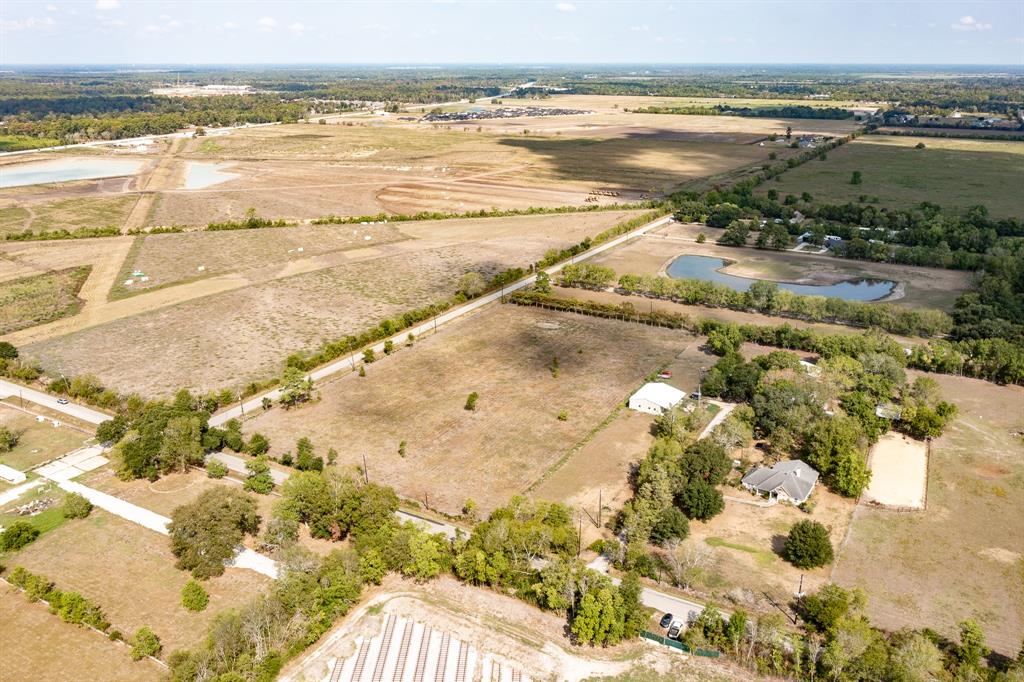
129 571
39 299
954 173
505 355
38 645
39 441
922 287
961 557
278 309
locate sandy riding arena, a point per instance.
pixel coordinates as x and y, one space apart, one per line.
899 472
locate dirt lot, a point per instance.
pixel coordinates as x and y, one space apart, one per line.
922 287
899 472
38 645
38 299
954 173
266 313
505 355
129 571
39 442
962 556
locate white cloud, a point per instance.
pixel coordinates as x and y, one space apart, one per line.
565 7
297 28
229 25
641 27
267 24
969 23
51 8
27 24
104 5
166 25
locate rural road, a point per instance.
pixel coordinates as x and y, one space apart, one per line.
86 414
349 362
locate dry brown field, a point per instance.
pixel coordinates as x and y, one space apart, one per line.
38 299
40 646
231 329
963 556
129 571
652 254
39 442
504 354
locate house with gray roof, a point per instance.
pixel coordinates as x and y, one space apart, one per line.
790 481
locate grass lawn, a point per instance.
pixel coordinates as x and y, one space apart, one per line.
39 442
954 173
37 299
45 521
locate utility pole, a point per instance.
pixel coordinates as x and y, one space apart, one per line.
600 506
241 406
579 538
366 475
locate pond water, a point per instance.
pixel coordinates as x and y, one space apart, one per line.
199 174
65 170
708 268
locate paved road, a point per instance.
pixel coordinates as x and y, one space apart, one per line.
237 464
86 414
349 362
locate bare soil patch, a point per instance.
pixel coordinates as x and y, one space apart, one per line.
505 355
39 645
942 565
899 472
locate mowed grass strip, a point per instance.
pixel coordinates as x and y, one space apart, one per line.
38 299
954 173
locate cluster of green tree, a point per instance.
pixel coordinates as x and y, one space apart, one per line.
836 641
72 607
586 276
20 143
46 235
778 111
974 134
17 535
481 213
624 311
767 298
77 117
158 437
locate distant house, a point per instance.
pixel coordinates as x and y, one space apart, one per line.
888 411
790 481
832 240
655 398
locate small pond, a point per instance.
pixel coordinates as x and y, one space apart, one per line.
199 174
708 268
65 170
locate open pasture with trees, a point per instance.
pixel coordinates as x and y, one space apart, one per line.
952 173
268 313
651 255
34 442
962 556
510 356
130 573
39 643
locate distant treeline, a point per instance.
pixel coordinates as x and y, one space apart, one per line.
792 111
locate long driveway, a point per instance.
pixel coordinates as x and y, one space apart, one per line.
86 414
348 362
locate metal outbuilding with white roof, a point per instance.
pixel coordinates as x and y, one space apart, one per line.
655 398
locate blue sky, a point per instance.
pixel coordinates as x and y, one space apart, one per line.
215 31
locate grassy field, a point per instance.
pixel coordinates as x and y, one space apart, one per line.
962 557
505 355
954 173
265 313
38 299
145 587
45 521
39 645
39 441
922 287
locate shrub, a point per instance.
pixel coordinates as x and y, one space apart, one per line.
76 506
701 238
216 469
471 401
808 545
8 439
563 415
369 356
17 535
145 643
701 500
194 597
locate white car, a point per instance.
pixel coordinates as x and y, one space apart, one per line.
62 401
675 629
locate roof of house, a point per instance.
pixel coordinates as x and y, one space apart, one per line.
662 395
796 478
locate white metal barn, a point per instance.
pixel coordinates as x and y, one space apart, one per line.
655 398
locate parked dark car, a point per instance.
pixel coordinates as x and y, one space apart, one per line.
666 620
